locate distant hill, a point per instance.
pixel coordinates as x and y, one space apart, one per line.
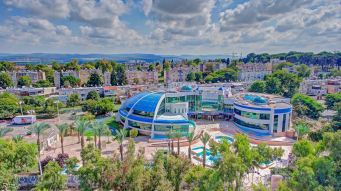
62 58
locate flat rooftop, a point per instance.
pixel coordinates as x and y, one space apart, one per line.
273 101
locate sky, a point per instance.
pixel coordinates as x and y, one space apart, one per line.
169 27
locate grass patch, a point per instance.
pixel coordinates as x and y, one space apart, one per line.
69 108
112 123
117 106
161 79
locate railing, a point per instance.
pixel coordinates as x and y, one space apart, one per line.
73 180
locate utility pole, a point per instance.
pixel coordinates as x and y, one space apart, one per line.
20 102
57 102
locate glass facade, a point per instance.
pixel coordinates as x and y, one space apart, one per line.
210 105
220 103
251 115
228 108
123 119
142 126
172 100
143 114
175 128
199 103
162 108
252 125
275 124
283 124
191 103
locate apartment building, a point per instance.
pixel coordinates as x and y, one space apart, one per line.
320 87
217 65
252 72
29 91
83 75
179 74
149 76
34 75
81 91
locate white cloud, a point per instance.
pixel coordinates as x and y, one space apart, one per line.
147 6
44 9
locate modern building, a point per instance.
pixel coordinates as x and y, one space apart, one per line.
34 75
148 76
179 74
252 72
155 113
83 75
81 91
30 91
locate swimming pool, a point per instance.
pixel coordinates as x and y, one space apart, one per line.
209 158
266 164
250 97
64 171
219 139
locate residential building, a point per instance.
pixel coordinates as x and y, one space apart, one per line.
156 113
110 91
83 75
217 65
30 91
178 74
81 91
320 86
34 75
252 72
149 76
273 62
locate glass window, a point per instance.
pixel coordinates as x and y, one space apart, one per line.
174 110
275 123
284 120
182 110
143 114
162 108
123 119
172 99
252 125
228 108
142 126
251 114
178 110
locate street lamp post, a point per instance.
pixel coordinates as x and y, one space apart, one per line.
20 102
57 102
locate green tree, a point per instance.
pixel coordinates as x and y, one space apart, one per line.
170 136
73 65
108 133
5 81
217 60
151 67
24 81
166 65
81 125
15 138
315 108
113 65
331 99
320 76
113 78
134 133
51 178
205 137
190 138
122 78
257 86
290 83
303 71
100 128
272 85
198 76
73 100
38 129
4 131
177 169
103 65
48 72
8 105
282 65
178 136
197 61
93 95
71 164
55 66
95 80
73 81
62 131
120 136
29 66
190 77
303 148
139 68
210 67
42 83
136 81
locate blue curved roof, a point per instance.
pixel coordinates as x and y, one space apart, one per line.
132 100
186 88
220 88
148 103
198 88
259 100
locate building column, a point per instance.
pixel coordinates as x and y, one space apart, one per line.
272 116
280 123
126 124
153 134
287 122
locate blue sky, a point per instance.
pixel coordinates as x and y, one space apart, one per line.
169 26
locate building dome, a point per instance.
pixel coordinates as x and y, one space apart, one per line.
259 100
186 88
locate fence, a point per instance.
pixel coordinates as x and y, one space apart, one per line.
72 180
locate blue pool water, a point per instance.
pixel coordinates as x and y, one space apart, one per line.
266 164
209 158
219 139
159 137
250 97
64 171
256 133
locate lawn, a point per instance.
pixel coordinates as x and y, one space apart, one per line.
117 106
67 108
161 79
112 123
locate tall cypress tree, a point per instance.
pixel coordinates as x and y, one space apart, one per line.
122 78
113 78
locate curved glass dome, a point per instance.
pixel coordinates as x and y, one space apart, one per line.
259 100
144 101
186 88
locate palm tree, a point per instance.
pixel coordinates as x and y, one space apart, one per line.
38 128
78 118
17 138
93 128
100 128
81 125
5 130
120 136
62 131
204 139
178 135
190 138
301 130
170 135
